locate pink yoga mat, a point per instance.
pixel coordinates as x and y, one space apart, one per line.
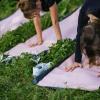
68 29
13 22
81 78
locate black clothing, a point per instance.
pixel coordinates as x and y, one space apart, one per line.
92 6
46 4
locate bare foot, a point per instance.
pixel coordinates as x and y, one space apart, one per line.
73 66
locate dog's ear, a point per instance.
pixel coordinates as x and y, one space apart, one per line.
92 18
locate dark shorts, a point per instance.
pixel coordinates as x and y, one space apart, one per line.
46 4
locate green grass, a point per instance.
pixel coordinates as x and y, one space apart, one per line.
16 78
17 36
27 30
68 6
7 7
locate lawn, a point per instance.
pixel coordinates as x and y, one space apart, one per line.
27 30
7 7
16 75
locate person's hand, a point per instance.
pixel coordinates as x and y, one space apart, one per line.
34 44
73 66
40 42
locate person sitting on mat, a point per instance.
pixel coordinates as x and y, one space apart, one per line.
31 10
94 7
